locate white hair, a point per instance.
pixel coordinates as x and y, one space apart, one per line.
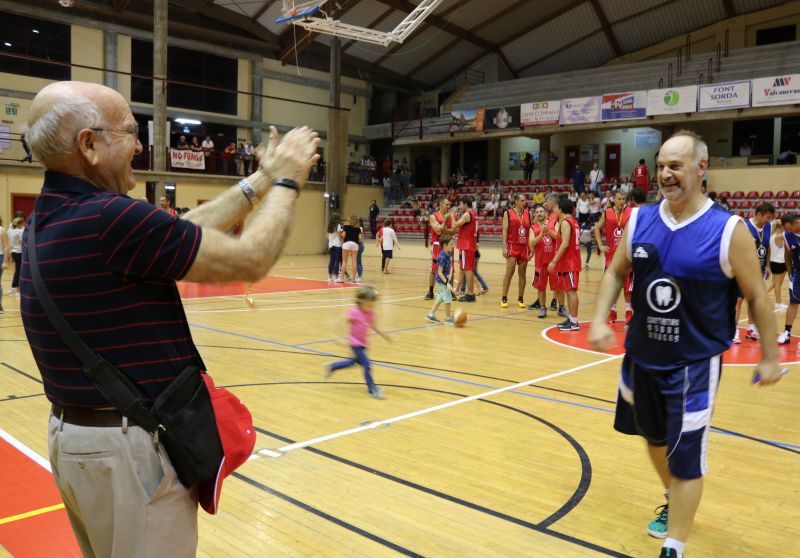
699 147
53 133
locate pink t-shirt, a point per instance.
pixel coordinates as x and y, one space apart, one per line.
360 322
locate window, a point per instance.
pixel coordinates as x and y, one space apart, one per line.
34 37
190 66
783 34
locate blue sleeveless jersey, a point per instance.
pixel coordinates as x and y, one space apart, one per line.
762 241
684 296
793 243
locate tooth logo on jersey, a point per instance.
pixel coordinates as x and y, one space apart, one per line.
762 252
547 240
522 231
663 295
618 232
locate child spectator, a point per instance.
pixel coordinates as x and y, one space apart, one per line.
444 281
334 247
387 240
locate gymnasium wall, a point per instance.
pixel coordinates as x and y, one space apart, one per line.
784 177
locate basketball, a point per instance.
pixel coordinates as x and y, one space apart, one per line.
459 318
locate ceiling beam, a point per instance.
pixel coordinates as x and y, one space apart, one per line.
228 17
120 5
264 7
612 39
371 25
292 47
730 9
524 31
561 48
484 23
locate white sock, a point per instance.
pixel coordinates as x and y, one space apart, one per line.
573 319
752 327
678 546
627 306
613 307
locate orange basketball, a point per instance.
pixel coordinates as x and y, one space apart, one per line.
459 318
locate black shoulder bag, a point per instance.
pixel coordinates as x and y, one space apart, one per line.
181 418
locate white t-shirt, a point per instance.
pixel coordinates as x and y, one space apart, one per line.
334 240
208 146
15 240
388 238
583 206
777 253
596 176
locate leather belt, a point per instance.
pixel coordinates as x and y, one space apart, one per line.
90 417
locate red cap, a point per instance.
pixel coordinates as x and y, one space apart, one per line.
238 437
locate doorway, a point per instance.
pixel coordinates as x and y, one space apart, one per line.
24 203
572 157
612 161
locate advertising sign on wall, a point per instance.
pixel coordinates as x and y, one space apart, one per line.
541 113
674 100
778 90
580 110
721 96
501 118
466 120
624 106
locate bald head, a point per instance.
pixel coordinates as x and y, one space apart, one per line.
83 129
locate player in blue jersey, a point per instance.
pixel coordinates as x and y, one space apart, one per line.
760 227
791 242
688 255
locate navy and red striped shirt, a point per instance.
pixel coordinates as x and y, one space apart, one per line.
110 263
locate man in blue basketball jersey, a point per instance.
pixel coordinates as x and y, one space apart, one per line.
688 255
760 227
791 243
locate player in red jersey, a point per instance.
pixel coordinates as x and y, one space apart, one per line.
551 206
567 261
467 226
516 249
641 176
441 222
544 248
612 223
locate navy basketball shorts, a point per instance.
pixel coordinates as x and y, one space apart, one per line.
794 288
671 408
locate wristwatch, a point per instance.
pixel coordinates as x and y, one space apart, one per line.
248 192
286 183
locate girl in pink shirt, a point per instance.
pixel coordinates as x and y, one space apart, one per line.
362 319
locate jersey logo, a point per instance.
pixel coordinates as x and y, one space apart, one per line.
618 232
522 231
663 295
547 240
762 252
640 253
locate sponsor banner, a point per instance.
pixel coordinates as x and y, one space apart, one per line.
541 113
185 159
673 100
778 90
467 120
580 110
647 138
501 118
721 96
624 106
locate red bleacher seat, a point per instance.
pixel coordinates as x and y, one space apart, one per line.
526 182
767 195
791 204
777 204
746 204
724 194
752 195
518 182
743 214
737 195
554 181
734 204
782 195
795 195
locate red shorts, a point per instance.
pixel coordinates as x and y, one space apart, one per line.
541 277
629 283
467 260
567 280
521 252
437 249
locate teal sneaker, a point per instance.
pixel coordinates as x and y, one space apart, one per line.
658 527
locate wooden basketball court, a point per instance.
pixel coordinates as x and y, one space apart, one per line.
535 470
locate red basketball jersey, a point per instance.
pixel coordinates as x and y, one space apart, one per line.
440 220
519 227
615 226
545 248
571 259
468 233
641 177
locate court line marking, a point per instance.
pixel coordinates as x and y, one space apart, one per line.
25 450
346 302
279 452
32 513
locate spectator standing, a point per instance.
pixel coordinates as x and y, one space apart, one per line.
28 155
374 211
15 242
227 157
182 143
334 231
195 145
578 179
582 205
527 166
372 166
595 208
387 240
5 255
239 158
249 157
596 178
208 149
387 166
641 176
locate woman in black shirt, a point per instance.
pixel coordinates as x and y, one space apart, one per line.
352 236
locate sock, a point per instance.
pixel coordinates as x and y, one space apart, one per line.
627 306
666 495
573 319
788 328
751 327
613 307
505 299
676 545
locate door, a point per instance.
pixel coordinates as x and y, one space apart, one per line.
612 163
24 203
572 157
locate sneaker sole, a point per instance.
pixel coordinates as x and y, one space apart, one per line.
656 534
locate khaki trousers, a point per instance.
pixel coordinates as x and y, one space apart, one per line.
121 492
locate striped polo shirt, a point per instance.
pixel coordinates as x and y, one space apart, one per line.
110 263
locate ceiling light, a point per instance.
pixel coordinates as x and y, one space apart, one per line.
35 31
7 44
190 121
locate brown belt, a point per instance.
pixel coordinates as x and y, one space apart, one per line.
90 417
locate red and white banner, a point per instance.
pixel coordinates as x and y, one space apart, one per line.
185 159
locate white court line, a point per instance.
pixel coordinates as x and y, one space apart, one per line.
25 449
278 452
272 309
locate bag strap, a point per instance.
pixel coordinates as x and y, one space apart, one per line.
112 384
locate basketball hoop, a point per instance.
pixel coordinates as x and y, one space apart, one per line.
294 10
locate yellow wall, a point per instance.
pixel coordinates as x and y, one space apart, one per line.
124 65
87 49
755 178
357 199
16 123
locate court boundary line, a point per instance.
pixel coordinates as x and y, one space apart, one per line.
25 450
280 452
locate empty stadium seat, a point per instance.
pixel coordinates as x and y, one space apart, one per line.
734 204
781 195
777 204
724 194
795 195
767 195
752 195
791 204
737 195
746 204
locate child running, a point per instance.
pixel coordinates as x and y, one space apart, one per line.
387 240
444 279
361 318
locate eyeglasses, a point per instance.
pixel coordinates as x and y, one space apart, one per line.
133 130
